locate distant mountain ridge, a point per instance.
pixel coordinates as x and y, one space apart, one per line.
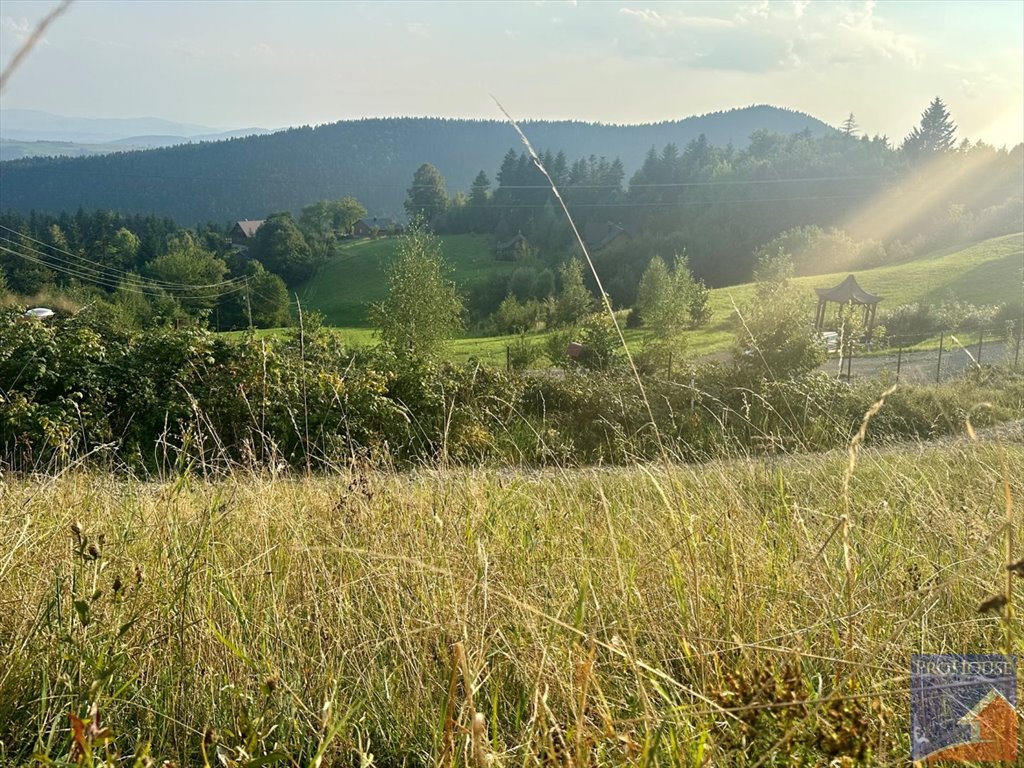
37 125
372 158
14 149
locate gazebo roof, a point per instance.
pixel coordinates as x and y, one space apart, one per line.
848 291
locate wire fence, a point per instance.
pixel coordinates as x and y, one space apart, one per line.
908 358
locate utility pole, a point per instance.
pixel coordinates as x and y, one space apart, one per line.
248 303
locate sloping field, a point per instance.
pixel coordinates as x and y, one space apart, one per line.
987 272
355 278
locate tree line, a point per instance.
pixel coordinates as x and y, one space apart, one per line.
149 271
719 205
371 159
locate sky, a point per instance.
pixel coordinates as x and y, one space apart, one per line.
274 64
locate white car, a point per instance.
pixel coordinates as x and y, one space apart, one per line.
830 339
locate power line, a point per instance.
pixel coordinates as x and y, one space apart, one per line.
76 259
136 283
677 184
371 185
674 204
139 286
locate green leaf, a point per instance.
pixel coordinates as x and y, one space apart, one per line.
82 608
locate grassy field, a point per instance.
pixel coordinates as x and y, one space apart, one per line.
487 349
989 272
355 277
656 615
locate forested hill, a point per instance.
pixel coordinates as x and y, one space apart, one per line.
373 159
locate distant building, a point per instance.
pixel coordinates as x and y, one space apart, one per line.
376 226
600 234
513 248
244 231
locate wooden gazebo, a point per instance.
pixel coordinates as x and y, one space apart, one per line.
847 292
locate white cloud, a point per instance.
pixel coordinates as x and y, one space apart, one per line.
861 36
653 19
768 37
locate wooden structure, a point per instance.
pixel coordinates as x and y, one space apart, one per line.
600 234
847 292
376 226
244 231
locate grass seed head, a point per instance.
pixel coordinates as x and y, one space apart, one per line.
993 604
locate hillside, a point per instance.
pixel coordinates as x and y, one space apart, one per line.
987 272
373 159
37 125
355 278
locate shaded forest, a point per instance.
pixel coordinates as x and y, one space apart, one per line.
372 159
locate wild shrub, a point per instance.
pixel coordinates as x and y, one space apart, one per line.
523 353
90 386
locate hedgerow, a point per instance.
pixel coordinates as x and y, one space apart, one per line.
148 399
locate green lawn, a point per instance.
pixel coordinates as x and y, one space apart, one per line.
988 272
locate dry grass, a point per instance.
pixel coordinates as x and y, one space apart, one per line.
650 615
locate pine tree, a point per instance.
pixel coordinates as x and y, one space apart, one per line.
478 194
574 300
935 134
849 126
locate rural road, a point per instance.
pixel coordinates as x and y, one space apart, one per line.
923 365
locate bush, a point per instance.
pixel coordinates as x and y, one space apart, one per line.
514 316
909 323
774 338
161 398
522 353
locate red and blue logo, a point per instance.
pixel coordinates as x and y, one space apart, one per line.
963 707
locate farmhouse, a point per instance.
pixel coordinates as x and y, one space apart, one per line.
376 226
244 231
600 234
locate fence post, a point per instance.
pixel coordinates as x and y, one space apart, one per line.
938 368
1016 352
508 357
981 337
899 362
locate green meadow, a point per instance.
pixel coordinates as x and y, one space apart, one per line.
987 272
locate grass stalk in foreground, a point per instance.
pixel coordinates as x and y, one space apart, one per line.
657 615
